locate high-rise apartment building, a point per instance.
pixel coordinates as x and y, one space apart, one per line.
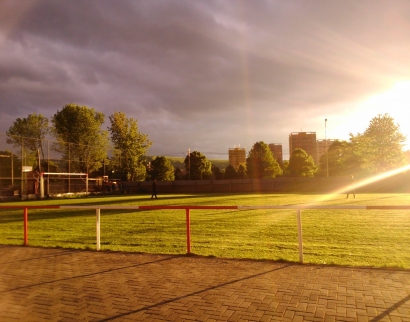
276 149
237 156
305 141
322 146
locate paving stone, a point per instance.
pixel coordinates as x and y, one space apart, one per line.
43 284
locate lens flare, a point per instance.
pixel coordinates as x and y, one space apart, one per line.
365 182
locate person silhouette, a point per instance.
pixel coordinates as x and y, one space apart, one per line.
351 188
154 189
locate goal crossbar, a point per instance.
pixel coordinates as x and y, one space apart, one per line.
65 173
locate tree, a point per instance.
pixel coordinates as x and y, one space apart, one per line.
161 169
230 172
178 174
285 166
131 146
301 164
342 160
260 163
217 173
197 166
29 133
81 140
380 146
241 173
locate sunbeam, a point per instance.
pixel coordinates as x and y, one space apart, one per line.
364 182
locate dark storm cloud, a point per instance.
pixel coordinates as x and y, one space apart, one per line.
199 74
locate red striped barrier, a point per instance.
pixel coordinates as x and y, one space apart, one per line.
187 209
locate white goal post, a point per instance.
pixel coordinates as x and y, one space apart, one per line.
61 174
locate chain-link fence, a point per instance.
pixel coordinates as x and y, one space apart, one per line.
23 159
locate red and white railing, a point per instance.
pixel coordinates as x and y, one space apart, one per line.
187 209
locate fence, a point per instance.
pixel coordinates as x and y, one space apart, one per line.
187 209
22 160
18 155
274 185
396 183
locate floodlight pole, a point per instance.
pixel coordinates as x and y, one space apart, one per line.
41 182
22 173
12 173
189 164
327 161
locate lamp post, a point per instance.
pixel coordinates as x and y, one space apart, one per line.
12 171
189 164
327 161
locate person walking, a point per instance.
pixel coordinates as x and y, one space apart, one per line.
351 188
154 189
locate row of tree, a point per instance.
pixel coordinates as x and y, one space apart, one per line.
82 141
260 164
377 150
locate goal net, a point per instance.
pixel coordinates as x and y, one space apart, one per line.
51 183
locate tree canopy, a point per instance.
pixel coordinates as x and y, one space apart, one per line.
260 163
81 140
241 173
301 164
178 174
161 169
380 146
217 173
377 150
197 166
342 160
230 173
29 133
130 146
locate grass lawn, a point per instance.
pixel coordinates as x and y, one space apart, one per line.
345 237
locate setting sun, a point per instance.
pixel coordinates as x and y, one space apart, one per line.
396 103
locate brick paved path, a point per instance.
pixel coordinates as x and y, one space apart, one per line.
40 284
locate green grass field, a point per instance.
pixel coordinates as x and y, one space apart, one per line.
378 238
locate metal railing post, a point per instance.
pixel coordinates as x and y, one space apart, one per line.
300 239
188 232
25 215
97 215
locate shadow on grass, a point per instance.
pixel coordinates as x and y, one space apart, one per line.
16 215
34 215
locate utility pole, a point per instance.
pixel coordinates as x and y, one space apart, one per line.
22 172
12 173
189 164
327 161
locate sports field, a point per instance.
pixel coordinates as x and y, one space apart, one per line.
344 237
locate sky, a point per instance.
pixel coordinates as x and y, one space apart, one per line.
210 75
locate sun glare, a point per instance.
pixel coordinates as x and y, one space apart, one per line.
355 118
396 103
363 183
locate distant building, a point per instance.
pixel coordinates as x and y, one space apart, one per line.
276 149
322 146
305 141
237 156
